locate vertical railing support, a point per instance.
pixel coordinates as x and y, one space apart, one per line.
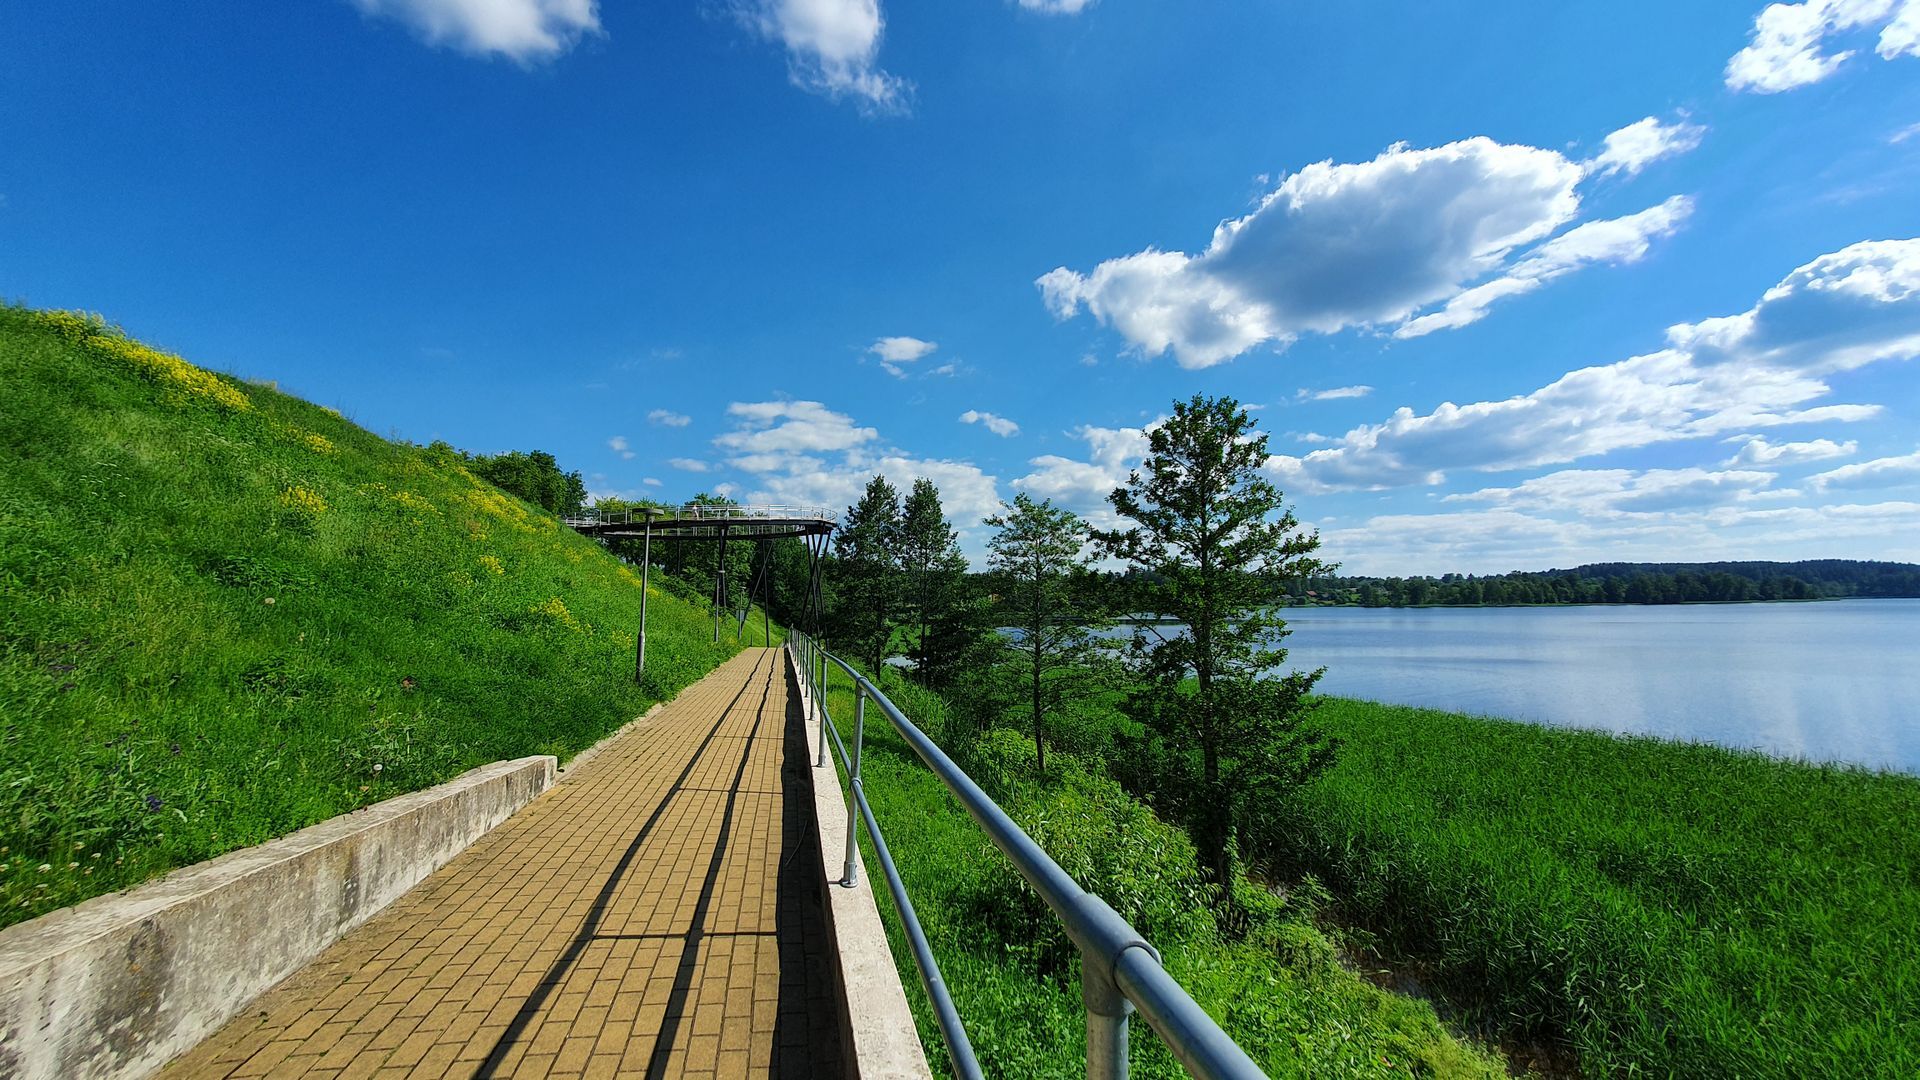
850 873
1107 1012
820 695
646 566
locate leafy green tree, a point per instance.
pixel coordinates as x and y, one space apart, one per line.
1037 552
1214 533
534 476
932 571
866 573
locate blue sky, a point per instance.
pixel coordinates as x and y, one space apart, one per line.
1510 287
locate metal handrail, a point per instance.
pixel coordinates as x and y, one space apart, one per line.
697 512
1119 969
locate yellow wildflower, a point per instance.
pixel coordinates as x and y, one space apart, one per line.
304 499
556 609
414 502
493 567
319 444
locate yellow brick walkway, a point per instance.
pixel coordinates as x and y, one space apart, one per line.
656 913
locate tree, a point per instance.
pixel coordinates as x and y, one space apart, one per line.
1038 551
932 571
534 476
1214 533
866 572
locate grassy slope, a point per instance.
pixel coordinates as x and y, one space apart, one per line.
229 614
1281 992
1677 909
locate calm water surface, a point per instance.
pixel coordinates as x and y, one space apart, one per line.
1833 681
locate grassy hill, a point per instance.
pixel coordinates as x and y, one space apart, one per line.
226 613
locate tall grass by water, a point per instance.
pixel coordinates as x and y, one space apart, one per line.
1668 909
230 613
1277 985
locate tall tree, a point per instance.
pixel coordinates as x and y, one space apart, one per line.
1212 535
866 572
932 570
1037 551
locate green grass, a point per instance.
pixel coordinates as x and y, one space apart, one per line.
229 614
1279 990
1669 909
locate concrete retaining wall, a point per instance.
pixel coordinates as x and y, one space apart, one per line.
876 1025
119 985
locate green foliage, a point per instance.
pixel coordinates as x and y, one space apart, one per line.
226 614
865 575
1208 527
1669 909
1036 553
533 475
1279 989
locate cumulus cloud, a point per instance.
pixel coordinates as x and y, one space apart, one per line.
1878 473
651 481
1616 241
832 47
1501 538
1083 486
1355 245
1642 143
1756 450
1593 492
618 444
690 464
801 452
999 425
896 351
1058 7
668 418
1334 394
1788 47
521 30
1739 373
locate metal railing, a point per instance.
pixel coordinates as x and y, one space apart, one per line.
1119 970
699 512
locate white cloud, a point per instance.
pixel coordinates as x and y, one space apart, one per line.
1058 7
522 30
1504 538
651 481
832 46
895 351
791 427
1896 138
1788 45
1333 246
618 444
1334 394
690 464
803 453
1617 241
1642 143
1596 492
1083 486
1756 450
999 425
668 418
1880 472
1738 373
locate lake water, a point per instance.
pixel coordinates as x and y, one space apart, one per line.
1831 681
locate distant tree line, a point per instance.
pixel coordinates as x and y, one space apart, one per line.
1619 583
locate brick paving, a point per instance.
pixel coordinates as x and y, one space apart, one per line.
657 913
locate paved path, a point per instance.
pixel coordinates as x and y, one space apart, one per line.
657 913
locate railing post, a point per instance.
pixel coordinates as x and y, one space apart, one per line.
820 694
850 873
1107 1012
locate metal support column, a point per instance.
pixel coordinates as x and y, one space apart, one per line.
646 565
1107 1013
850 872
720 585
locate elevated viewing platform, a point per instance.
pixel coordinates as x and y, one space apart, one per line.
701 520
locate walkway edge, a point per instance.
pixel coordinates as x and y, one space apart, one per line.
120 984
876 1024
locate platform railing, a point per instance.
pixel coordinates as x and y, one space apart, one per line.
697 512
1119 970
